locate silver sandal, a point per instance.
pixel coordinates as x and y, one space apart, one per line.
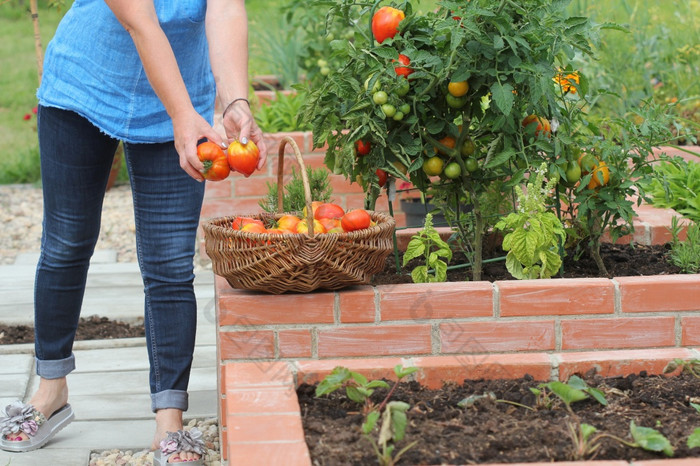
176 442
22 417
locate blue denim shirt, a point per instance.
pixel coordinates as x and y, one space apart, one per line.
92 67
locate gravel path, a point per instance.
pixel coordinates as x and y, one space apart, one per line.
21 215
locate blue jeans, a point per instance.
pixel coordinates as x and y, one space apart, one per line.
76 158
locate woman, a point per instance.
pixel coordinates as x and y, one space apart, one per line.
145 72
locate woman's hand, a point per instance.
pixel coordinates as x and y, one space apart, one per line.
189 128
240 124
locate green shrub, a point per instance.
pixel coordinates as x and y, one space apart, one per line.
281 114
293 199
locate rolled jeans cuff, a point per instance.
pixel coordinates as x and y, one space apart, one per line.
166 399
55 368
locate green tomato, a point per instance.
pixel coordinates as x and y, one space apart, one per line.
376 86
471 164
403 87
453 170
325 71
380 97
456 102
398 116
389 110
468 148
405 109
321 63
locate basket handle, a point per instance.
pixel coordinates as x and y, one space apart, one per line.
304 179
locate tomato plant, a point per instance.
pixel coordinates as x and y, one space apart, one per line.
215 162
243 158
488 82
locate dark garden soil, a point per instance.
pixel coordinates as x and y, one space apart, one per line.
494 431
91 328
620 260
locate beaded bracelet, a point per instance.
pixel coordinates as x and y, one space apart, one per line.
223 115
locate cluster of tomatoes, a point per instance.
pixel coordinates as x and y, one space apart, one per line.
327 218
242 158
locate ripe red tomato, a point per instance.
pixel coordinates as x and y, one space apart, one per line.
543 126
363 147
385 23
240 222
403 70
382 177
213 157
243 158
357 219
328 210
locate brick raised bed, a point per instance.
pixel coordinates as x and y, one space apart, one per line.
550 329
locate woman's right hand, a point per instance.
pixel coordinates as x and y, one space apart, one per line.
189 128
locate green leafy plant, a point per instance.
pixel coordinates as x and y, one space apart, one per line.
392 413
534 234
685 253
676 185
646 438
575 389
281 113
293 199
428 244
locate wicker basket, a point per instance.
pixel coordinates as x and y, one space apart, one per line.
278 263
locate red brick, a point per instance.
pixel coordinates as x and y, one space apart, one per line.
374 341
341 185
482 337
245 308
357 305
230 207
311 372
659 293
667 462
246 344
217 190
568 296
618 363
259 400
575 463
257 374
294 343
253 186
618 333
658 220
264 428
690 335
354 201
435 301
266 454
434 371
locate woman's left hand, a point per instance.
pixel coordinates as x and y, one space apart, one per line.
240 124
189 128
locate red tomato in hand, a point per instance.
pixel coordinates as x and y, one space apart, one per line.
215 162
385 23
357 219
243 158
403 70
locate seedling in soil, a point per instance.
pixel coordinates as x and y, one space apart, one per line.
576 389
692 366
646 438
393 413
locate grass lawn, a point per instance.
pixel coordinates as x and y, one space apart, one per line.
662 44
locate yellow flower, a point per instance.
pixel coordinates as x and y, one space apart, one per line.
565 81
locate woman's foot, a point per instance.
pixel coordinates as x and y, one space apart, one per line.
170 420
51 396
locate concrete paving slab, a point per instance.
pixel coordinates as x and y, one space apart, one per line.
112 406
204 356
105 435
15 386
100 256
49 456
111 359
16 363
